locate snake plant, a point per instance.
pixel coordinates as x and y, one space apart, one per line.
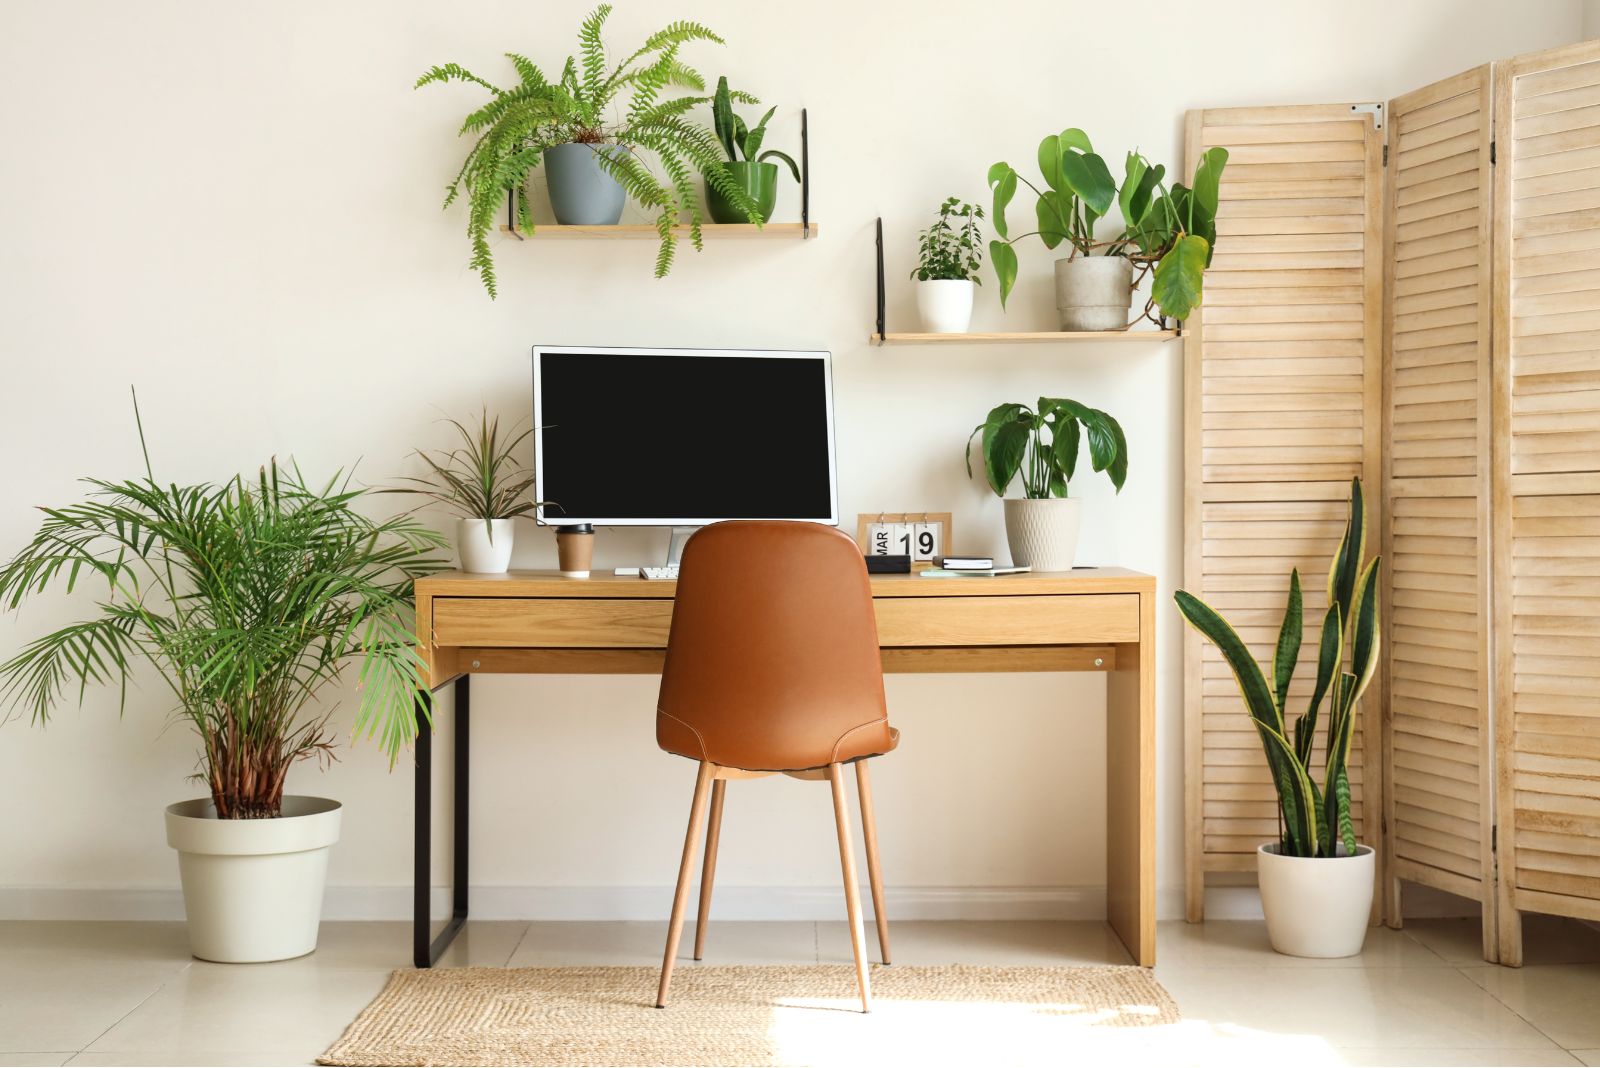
1315 819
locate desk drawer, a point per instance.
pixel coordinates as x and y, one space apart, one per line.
1022 620
551 623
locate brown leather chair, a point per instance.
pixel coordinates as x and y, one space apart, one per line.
772 667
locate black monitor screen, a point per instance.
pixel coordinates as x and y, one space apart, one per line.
641 436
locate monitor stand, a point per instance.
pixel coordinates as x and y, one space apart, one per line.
675 545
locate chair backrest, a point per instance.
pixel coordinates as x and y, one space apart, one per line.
773 662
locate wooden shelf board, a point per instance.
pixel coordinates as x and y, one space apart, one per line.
648 232
1024 338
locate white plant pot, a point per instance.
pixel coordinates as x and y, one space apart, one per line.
1094 292
484 551
945 305
1043 534
252 889
1316 906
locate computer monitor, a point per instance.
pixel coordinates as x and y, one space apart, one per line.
682 437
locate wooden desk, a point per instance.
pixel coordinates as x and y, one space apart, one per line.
1094 619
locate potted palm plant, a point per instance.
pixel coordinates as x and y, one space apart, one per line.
1171 232
250 599
484 483
746 164
1316 880
1042 526
593 161
948 258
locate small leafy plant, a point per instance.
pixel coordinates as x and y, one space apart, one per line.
951 249
1170 231
479 479
1014 441
1315 819
517 124
741 143
249 598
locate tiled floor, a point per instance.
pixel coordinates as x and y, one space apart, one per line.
128 993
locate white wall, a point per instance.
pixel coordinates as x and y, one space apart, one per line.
235 208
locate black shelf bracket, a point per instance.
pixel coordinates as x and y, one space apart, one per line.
881 335
805 178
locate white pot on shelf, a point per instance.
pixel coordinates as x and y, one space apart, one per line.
485 548
1043 534
252 889
945 305
1316 906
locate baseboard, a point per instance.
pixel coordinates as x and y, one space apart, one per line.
599 903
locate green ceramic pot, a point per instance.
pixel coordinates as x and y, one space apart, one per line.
759 180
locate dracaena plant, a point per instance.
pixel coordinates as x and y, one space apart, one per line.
1042 445
514 128
743 143
1315 817
250 598
1169 230
481 478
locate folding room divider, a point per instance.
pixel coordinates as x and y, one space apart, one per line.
1412 294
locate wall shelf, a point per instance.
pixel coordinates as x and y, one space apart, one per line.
1023 338
646 231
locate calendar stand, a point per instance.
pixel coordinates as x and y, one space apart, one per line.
925 535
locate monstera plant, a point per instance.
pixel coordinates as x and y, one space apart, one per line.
1318 909
1168 230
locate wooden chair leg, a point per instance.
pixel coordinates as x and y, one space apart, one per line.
708 873
680 899
869 831
852 892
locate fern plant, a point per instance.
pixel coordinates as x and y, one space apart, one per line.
580 106
1315 818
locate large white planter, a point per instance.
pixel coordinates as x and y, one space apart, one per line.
485 548
1093 292
945 305
1316 906
252 889
1043 534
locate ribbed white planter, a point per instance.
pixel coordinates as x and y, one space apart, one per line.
1043 534
1316 906
252 889
1093 292
945 305
484 551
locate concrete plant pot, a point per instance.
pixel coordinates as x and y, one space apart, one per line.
485 548
1316 906
1043 534
581 194
1094 292
945 305
252 889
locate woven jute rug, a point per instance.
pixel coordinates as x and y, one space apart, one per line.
790 1015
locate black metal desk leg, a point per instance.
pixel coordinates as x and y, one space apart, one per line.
425 951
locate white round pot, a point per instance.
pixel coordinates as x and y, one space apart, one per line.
1043 534
1316 906
485 548
945 305
1094 292
252 889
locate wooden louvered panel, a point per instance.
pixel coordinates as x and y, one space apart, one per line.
1282 395
1438 732
1547 486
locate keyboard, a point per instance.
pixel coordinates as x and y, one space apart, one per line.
658 573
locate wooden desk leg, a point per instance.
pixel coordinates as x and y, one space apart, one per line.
1131 791
424 953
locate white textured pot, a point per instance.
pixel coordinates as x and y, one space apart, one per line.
1316 906
484 551
945 305
252 889
1093 292
1043 534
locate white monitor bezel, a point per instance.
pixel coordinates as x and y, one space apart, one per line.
832 519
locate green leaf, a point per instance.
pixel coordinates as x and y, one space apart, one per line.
1050 162
1004 260
1346 566
1329 651
1087 175
1052 218
1134 170
1003 180
1287 653
1075 138
1179 277
1003 443
1208 180
773 153
1064 440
